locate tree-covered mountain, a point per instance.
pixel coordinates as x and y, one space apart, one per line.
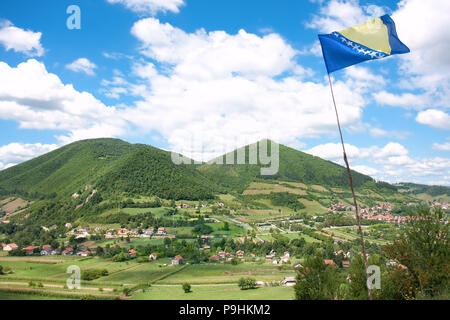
294 165
110 165
150 171
116 167
414 188
65 170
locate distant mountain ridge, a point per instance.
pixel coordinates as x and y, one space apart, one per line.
113 165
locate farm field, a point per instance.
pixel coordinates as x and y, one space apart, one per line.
215 292
226 273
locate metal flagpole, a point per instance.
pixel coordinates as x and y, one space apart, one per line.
358 220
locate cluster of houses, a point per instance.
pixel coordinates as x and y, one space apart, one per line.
203 205
136 233
85 232
381 212
272 256
80 233
383 216
46 250
341 207
443 206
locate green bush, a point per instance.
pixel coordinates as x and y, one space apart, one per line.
92 274
186 287
247 283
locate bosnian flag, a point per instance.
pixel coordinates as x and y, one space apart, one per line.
374 39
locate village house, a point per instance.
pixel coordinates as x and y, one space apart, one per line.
147 233
329 262
297 265
56 251
240 254
122 232
68 252
214 258
83 253
229 257
161 231
222 254
133 232
10 247
153 256
177 260
46 250
29 250
345 264
132 253
271 255
289 282
286 257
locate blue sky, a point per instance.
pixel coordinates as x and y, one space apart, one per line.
202 77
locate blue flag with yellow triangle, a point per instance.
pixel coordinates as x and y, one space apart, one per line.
374 39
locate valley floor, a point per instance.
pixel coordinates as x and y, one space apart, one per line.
45 278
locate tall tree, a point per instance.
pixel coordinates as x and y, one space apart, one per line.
316 280
423 249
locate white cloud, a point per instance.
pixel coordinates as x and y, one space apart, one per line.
390 163
341 14
151 6
428 64
82 65
334 152
442 146
404 100
197 55
20 40
365 170
434 118
39 100
314 49
230 86
14 153
379 133
392 149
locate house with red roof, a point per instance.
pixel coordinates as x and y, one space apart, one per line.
68 252
10 247
46 250
177 260
132 253
161 231
329 262
30 250
214 257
